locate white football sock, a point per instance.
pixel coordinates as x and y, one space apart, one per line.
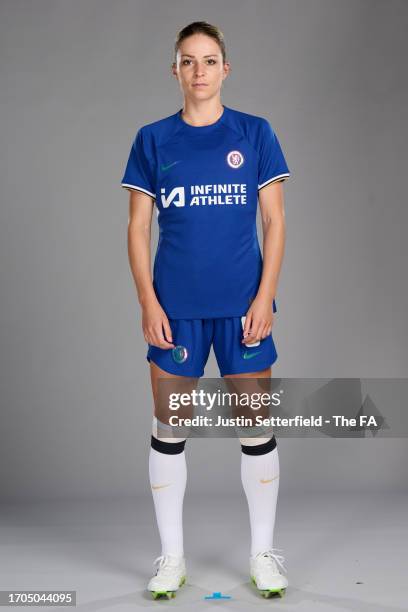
260 479
168 477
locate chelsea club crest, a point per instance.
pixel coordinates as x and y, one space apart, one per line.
235 159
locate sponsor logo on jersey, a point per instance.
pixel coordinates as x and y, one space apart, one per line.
235 159
176 192
201 195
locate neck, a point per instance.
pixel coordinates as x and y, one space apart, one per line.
203 112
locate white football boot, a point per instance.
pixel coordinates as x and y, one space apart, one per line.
265 573
170 575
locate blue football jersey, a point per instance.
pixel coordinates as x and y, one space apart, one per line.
205 182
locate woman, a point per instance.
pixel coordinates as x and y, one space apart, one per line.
205 167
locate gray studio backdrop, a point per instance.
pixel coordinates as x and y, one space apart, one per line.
78 78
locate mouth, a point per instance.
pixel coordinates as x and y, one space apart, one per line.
199 84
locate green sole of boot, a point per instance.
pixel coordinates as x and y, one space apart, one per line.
167 594
269 592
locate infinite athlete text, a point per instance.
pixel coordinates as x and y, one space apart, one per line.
227 193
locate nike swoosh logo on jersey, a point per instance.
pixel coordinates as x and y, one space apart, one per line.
247 355
166 167
266 481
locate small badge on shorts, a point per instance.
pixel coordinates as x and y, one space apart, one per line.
180 353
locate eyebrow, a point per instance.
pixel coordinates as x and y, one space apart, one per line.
187 55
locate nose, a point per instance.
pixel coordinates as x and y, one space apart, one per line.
199 71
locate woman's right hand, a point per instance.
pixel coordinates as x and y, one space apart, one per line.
155 325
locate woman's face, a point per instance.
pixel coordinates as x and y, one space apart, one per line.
199 68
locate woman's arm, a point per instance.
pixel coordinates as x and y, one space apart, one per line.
260 314
155 324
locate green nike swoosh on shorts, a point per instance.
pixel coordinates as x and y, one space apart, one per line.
250 355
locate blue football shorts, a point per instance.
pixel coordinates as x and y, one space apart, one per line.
193 339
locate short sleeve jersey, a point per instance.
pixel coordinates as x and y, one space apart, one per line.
205 182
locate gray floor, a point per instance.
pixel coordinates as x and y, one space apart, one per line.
341 552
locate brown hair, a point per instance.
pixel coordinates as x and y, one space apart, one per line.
201 27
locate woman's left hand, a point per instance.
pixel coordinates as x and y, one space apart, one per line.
259 321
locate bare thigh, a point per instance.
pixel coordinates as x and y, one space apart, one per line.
182 384
250 388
